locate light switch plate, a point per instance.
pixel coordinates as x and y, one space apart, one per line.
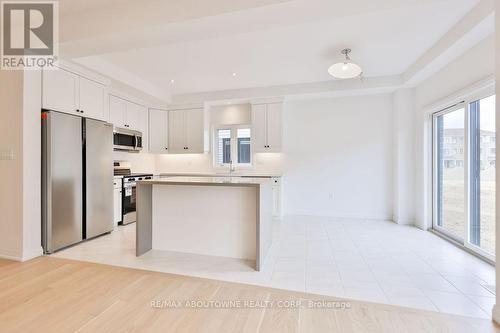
6 154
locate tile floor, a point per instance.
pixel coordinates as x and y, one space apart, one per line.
367 260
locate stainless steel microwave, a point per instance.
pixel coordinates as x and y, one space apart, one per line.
126 139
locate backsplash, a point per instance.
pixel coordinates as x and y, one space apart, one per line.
266 163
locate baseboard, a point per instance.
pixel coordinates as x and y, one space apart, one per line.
10 257
345 216
402 221
32 253
495 314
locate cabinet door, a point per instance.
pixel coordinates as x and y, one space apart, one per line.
133 116
117 206
117 110
176 131
194 131
92 99
158 129
259 128
274 132
59 91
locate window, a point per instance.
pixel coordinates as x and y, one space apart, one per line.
464 160
450 181
482 174
243 145
232 144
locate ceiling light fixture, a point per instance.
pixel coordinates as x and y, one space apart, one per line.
172 81
346 69
234 74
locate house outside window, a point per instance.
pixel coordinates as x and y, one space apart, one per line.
232 144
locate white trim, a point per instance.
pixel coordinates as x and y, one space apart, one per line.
32 253
27 255
11 257
461 99
495 314
376 217
79 70
127 97
476 89
234 146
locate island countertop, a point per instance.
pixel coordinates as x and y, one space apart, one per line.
215 181
217 216
245 174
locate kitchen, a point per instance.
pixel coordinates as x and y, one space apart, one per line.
142 135
164 142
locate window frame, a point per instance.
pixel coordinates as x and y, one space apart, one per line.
464 99
234 146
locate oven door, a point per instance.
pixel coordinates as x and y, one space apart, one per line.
129 200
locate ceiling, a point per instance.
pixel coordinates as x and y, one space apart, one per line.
280 43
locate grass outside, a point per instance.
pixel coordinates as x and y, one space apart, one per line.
454 205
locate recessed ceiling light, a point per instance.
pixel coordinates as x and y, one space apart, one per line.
172 81
346 69
234 74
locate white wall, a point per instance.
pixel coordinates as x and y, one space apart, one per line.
20 227
475 65
496 310
404 156
11 117
32 208
339 157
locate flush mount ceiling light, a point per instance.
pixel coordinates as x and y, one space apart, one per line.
346 69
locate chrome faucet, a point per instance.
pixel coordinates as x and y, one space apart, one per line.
231 168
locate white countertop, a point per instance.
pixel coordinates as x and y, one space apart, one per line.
221 174
217 181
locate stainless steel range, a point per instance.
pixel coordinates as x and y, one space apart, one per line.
129 196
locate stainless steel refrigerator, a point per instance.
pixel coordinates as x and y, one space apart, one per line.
77 179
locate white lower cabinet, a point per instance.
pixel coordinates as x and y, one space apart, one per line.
117 205
277 200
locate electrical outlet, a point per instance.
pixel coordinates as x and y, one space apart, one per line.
6 154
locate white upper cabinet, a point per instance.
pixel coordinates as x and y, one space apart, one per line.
194 131
125 114
267 127
60 91
68 92
117 111
133 116
274 127
186 131
92 99
158 131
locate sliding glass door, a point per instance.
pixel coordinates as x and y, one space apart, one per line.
482 174
449 128
464 161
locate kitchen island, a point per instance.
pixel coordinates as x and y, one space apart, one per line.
216 216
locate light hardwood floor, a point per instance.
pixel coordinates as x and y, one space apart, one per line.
57 295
